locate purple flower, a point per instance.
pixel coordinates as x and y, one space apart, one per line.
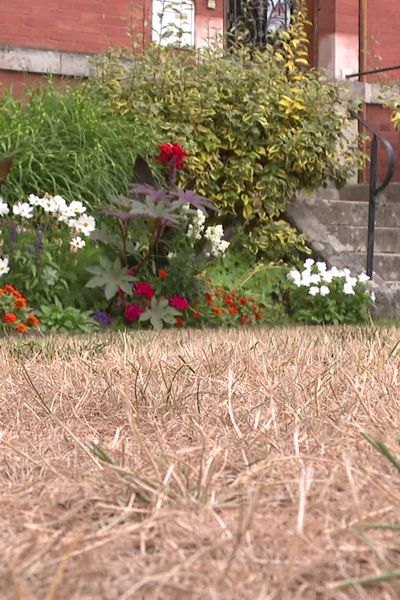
102 317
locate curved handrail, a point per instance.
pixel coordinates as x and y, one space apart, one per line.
374 189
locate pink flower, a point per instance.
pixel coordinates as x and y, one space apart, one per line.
133 312
144 289
179 302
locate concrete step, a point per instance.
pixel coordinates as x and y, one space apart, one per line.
342 212
354 237
386 265
358 192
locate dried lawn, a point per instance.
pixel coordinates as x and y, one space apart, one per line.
198 465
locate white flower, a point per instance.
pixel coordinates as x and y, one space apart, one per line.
373 297
309 263
346 272
314 290
171 255
4 268
294 275
77 207
321 266
195 229
34 200
4 210
84 224
23 209
335 272
223 246
351 280
348 288
77 243
363 277
214 235
314 278
48 204
327 276
324 290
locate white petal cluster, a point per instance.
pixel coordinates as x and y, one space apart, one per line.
72 214
4 268
213 234
196 227
317 277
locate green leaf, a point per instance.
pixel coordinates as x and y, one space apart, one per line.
159 312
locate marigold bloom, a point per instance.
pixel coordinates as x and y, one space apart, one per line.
244 320
259 315
217 293
197 315
9 288
233 311
163 274
9 318
233 294
32 320
180 322
229 301
21 328
254 307
217 310
20 302
144 289
178 302
243 301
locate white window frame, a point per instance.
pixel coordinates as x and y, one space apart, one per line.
173 23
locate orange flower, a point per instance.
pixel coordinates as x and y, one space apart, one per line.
217 310
1 291
217 293
20 302
21 328
244 320
259 315
33 321
9 288
197 315
179 322
163 274
233 311
254 307
243 301
233 294
9 318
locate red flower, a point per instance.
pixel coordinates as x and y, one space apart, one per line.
229 301
254 307
179 302
21 328
9 318
33 321
259 315
180 322
133 312
217 310
197 315
243 301
163 274
172 152
244 320
144 289
233 311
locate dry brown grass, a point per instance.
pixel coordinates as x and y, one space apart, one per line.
237 468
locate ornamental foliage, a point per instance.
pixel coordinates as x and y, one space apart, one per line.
259 125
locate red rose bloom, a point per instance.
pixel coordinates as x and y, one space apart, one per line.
144 289
179 302
172 152
133 312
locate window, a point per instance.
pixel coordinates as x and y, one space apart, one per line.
260 18
174 22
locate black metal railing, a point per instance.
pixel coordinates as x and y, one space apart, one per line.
260 19
374 187
373 72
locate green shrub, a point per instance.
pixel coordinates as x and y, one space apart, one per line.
71 142
259 126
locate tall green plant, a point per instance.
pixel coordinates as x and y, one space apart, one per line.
71 142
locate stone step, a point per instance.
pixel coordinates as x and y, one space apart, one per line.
342 212
359 192
386 265
354 237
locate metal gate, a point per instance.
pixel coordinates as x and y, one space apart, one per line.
260 19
